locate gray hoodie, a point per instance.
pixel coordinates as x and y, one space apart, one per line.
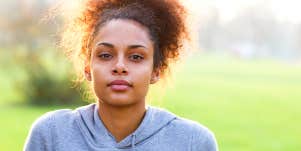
82 130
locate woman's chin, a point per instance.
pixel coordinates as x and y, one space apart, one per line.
119 102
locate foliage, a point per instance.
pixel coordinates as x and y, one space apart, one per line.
48 80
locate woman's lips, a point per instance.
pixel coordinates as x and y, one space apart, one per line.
119 85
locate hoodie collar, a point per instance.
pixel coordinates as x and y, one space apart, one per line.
154 120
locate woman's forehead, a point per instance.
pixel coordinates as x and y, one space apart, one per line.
123 32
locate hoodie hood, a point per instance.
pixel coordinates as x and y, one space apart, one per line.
98 136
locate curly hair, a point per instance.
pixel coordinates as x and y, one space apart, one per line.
165 20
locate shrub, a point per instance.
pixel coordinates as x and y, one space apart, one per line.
48 81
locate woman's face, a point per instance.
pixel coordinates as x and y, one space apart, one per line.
121 65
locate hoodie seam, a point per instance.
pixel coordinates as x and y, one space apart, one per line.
53 132
191 142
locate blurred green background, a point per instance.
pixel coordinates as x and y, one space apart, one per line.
243 82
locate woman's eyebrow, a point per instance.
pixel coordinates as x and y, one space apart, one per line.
105 44
136 46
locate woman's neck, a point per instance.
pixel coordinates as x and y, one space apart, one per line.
121 121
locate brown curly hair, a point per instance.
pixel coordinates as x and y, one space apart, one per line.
165 20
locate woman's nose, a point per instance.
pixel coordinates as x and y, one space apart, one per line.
120 67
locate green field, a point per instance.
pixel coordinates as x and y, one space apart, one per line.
249 105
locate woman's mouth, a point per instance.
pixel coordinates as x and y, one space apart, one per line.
119 85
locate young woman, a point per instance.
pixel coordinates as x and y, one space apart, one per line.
125 45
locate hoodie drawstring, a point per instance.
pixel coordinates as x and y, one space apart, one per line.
133 142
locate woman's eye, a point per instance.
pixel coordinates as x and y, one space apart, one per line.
136 57
105 56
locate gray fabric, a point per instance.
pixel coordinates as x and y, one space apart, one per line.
82 130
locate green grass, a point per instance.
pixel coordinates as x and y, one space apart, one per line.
249 105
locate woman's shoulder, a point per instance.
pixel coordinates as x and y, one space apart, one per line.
62 116
180 122
49 125
200 135
191 125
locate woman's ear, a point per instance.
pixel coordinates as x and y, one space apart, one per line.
87 72
155 76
